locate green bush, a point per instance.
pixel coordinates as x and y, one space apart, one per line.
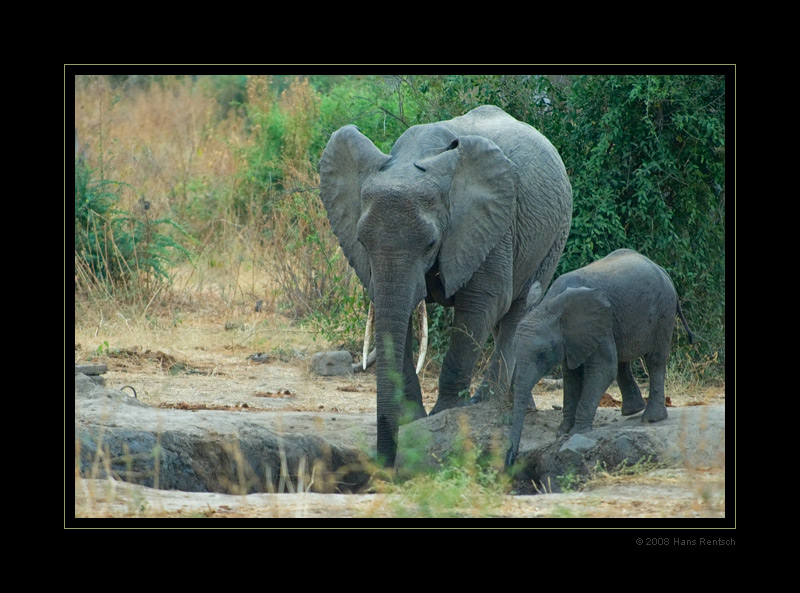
646 158
123 254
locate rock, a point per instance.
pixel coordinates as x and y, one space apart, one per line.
332 363
92 372
690 437
551 384
575 448
117 435
86 388
91 369
259 357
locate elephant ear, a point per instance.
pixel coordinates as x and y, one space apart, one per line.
348 159
480 183
586 320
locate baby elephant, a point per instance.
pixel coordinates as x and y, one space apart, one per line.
597 320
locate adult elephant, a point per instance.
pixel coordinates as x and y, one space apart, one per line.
469 213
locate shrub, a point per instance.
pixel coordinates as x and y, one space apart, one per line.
122 254
646 158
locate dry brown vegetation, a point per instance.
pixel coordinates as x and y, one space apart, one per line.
195 162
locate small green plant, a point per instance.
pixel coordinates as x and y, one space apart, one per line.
456 490
468 482
570 481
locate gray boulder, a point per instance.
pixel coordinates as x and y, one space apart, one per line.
333 363
690 437
215 451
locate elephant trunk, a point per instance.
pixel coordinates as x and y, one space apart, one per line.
525 377
392 315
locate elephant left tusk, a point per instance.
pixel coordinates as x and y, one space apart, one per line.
423 335
368 335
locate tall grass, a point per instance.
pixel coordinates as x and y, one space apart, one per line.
240 178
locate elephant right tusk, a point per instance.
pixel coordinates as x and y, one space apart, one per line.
368 335
423 335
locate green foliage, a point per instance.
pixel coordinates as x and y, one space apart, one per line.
455 491
230 90
279 189
439 321
125 254
379 106
646 158
262 173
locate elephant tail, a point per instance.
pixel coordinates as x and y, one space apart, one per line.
692 336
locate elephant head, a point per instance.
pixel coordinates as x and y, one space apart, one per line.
565 327
413 224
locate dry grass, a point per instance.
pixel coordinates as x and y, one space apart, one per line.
196 164
158 139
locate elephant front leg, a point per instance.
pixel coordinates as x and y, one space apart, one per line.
466 343
573 380
598 374
412 408
501 366
632 400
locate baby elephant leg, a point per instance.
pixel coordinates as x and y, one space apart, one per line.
587 407
656 401
632 400
573 380
598 373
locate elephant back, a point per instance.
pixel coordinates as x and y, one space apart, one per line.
641 294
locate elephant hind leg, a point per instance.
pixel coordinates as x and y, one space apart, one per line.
656 409
632 400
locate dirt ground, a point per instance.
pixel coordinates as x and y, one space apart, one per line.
214 366
248 380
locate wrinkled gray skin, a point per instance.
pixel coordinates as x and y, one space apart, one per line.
467 213
596 321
